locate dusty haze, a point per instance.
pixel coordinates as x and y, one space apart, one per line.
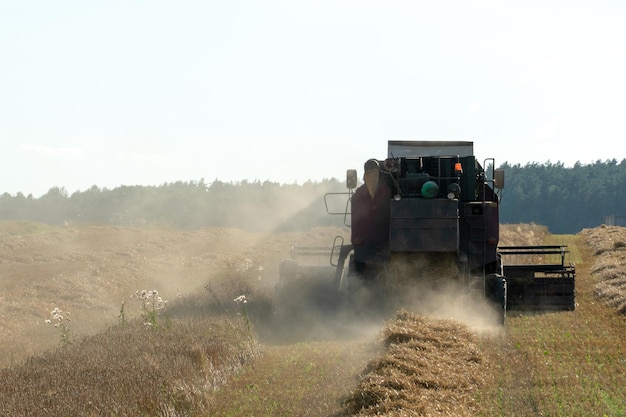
91 270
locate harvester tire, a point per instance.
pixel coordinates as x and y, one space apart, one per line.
495 288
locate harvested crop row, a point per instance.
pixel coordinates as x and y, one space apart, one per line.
609 245
431 366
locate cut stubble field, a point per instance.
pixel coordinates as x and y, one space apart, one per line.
207 355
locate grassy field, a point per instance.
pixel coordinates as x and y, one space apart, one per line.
205 354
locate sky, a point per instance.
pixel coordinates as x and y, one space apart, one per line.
147 92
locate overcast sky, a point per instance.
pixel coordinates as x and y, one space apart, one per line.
145 92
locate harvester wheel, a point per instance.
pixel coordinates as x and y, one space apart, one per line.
495 288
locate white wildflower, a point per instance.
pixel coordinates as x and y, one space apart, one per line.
150 301
57 315
241 299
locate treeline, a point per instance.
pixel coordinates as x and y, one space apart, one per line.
565 199
252 206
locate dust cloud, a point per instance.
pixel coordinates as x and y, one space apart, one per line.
455 302
431 284
309 306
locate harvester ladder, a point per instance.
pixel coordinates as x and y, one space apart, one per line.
478 238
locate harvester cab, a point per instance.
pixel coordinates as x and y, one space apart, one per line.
425 218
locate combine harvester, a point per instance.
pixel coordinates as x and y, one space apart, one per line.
425 219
